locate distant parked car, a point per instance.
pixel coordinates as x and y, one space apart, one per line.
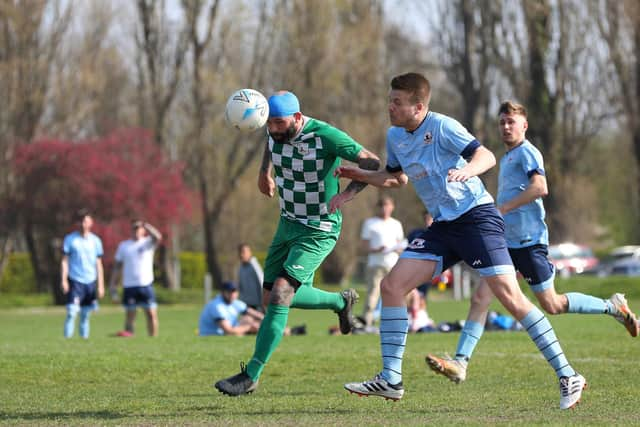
620 260
628 266
628 251
571 258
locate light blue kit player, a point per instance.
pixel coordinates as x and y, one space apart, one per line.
82 276
443 162
521 186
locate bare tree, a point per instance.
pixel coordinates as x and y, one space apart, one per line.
619 25
161 49
31 34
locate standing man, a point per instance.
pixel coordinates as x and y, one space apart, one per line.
250 277
305 152
443 161
521 186
382 238
134 259
81 271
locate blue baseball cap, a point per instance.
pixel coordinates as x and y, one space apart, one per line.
229 286
283 104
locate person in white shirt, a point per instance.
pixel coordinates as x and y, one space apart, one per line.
134 259
382 240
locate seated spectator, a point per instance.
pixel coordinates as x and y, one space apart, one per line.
227 315
419 320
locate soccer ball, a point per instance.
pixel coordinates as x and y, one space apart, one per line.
247 110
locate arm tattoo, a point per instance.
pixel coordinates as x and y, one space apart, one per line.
265 166
371 164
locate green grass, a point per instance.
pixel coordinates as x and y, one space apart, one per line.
46 380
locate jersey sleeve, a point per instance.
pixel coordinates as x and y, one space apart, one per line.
365 232
341 144
118 256
532 162
66 245
99 249
458 139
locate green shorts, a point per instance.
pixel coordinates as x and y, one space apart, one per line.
296 252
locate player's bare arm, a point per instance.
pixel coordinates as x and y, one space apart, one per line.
366 161
481 161
64 272
266 183
155 234
379 178
100 278
537 188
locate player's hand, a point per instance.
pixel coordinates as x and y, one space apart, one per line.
100 292
266 184
347 172
458 175
65 287
339 200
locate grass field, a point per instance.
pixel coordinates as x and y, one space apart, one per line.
46 380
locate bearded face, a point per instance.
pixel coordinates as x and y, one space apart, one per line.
283 135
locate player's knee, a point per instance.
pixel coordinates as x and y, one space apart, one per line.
281 292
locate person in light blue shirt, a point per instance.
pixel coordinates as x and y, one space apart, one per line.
521 185
227 315
82 274
443 161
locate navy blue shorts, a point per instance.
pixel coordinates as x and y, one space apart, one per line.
139 296
534 265
82 294
476 237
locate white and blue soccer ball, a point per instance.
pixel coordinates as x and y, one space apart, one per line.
247 110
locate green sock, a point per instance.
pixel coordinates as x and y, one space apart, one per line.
309 298
268 338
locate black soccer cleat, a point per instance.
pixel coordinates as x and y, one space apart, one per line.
345 316
238 384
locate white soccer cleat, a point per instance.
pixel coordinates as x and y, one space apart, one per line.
455 370
624 314
377 387
571 390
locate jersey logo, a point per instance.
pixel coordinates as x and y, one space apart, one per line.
428 138
297 267
476 262
416 244
303 149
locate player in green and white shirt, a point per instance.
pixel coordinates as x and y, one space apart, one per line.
305 153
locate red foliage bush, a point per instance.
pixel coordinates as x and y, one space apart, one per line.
119 177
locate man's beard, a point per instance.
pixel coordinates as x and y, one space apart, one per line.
285 136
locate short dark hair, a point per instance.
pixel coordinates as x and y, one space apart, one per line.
384 199
510 107
81 213
242 246
416 84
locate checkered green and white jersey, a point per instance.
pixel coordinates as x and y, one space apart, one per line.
304 173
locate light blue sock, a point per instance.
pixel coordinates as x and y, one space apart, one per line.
394 325
84 322
469 337
70 320
587 304
542 334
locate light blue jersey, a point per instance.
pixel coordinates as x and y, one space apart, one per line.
83 254
217 309
525 225
427 154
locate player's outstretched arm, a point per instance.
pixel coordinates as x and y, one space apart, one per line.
266 185
366 161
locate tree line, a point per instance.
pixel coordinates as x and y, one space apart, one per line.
78 71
